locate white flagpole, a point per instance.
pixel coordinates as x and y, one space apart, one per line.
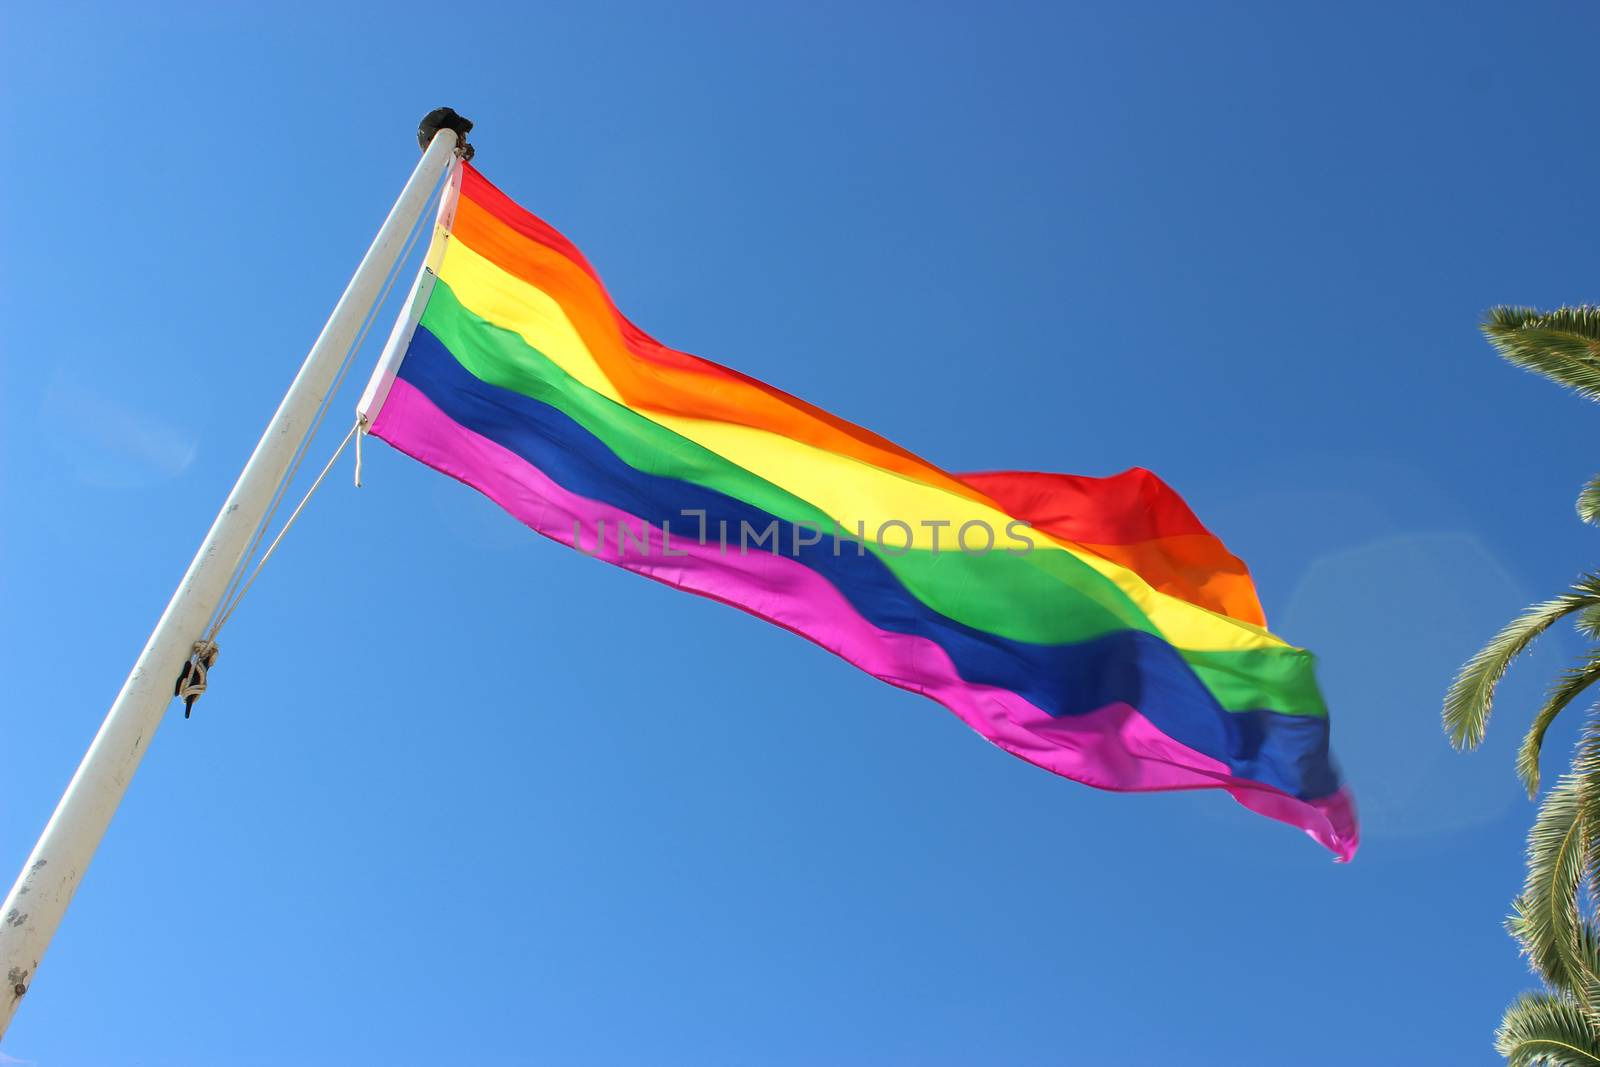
33 908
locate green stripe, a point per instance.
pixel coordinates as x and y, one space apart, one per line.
1047 596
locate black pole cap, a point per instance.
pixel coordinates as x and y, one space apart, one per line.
445 118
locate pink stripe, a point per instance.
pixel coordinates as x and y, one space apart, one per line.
1113 747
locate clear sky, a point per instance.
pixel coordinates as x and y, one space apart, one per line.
459 795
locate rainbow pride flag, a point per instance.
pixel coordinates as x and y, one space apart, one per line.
1091 626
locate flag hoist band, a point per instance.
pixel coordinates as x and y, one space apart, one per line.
1092 626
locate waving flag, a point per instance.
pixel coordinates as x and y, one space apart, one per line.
1091 626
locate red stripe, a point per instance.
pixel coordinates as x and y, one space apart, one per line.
1134 519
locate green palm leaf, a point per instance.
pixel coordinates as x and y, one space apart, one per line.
1586 772
1573 681
1589 501
1563 345
1471 697
1546 919
1581 982
1540 1030
1588 950
1588 622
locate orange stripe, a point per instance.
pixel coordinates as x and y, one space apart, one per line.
685 390
1194 567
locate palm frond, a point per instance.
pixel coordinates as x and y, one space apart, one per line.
1586 772
1545 918
1573 681
1541 1030
1588 622
1580 982
1471 698
1587 949
1589 501
1563 345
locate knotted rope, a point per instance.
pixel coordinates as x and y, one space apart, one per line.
192 679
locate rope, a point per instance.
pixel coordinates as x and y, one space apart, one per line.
226 609
212 624
191 683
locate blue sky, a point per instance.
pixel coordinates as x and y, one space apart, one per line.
458 795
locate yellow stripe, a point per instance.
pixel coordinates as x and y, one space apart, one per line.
850 490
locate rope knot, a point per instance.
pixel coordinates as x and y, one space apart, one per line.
191 683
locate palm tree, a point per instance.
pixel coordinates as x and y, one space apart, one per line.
1555 918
